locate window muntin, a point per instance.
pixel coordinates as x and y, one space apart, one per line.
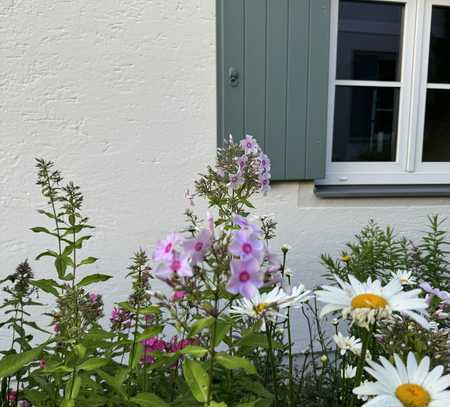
416 111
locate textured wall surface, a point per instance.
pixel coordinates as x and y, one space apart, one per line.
121 94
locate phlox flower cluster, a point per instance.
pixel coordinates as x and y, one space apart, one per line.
252 162
157 345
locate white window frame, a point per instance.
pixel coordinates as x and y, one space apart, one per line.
408 168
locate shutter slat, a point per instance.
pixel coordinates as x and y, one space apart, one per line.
319 49
255 64
233 56
275 143
297 89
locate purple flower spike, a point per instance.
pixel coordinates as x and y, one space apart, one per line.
264 163
249 145
246 277
246 244
177 265
264 182
198 247
165 247
242 162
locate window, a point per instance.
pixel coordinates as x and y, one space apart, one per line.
389 96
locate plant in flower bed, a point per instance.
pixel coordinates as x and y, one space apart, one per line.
220 333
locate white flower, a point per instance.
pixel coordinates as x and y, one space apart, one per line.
405 277
370 301
349 372
409 385
288 273
324 359
269 304
350 344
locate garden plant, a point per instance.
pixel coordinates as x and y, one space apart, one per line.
221 332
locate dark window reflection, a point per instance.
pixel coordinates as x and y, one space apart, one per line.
439 61
365 124
369 40
436 143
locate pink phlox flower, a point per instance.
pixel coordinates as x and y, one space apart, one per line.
178 295
264 163
93 297
198 246
246 277
245 224
176 345
165 247
177 265
41 364
249 145
247 244
235 180
56 328
210 221
264 182
11 395
242 162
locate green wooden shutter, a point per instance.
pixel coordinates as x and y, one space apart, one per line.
280 51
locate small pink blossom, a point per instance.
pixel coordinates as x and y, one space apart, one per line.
210 220
264 182
246 244
264 163
245 224
42 364
177 265
165 248
56 328
242 162
11 395
235 180
249 145
178 295
93 297
198 246
246 277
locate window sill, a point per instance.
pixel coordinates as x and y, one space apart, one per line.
382 191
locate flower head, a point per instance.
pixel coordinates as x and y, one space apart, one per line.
165 247
264 163
410 385
246 277
235 180
247 244
244 223
405 277
348 344
177 265
370 301
249 145
264 182
197 247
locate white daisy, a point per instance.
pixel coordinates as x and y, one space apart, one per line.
409 385
370 301
269 304
405 276
348 344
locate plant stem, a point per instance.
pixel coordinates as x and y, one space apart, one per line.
272 362
212 352
366 334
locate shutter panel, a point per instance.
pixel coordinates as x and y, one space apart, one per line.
280 51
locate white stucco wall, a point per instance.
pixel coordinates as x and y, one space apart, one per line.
121 95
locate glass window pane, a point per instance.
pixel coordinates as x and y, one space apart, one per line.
365 124
439 61
369 40
436 142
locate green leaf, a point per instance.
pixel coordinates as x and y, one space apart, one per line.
39 229
249 403
222 328
196 351
47 285
10 364
149 332
47 253
67 403
87 260
255 340
216 404
200 324
197 379
61 263
93 364
115 384
93 278
235 362
148 400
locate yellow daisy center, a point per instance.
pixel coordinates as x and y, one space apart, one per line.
413 395
372 301
260 308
